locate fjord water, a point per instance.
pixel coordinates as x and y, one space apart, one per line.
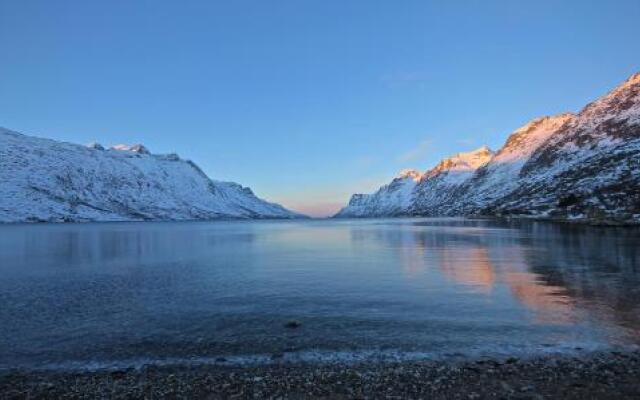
122 294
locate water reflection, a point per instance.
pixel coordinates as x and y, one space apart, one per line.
122 291
87 245
549 268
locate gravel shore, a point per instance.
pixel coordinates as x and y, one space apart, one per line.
611 375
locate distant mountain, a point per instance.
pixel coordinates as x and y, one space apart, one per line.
412 187
568 166
46 180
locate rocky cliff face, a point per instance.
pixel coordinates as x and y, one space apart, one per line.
46 180
588 168
500 175
573 166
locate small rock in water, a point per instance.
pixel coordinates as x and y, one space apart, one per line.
293 324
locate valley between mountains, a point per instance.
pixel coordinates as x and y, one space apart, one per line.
580 167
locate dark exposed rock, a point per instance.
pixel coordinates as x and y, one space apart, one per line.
293 324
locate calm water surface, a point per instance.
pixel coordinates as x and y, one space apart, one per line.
120 294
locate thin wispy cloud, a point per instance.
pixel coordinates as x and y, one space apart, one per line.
416 153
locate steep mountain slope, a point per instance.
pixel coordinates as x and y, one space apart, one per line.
575 166
402 195
500 175
588 168
46 180
390 200
439 187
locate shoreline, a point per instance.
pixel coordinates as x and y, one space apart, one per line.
610 374
589 222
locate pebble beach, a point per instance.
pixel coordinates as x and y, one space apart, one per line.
603 375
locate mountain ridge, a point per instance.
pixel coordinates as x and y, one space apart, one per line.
396 197
575 166
44 180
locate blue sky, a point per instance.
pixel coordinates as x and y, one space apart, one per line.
306 102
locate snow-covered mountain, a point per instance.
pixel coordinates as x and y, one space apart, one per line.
575 166
500 175
438 188
390 200
412 187
46 180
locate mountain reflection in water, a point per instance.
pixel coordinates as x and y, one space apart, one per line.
122 292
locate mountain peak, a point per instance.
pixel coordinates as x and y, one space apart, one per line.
410 173
464 162
136 148
620 103
629 86
539 122
474 158
632 80
484 149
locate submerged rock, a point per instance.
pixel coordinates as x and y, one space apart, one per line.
293 324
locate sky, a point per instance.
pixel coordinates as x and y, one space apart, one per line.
306 102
